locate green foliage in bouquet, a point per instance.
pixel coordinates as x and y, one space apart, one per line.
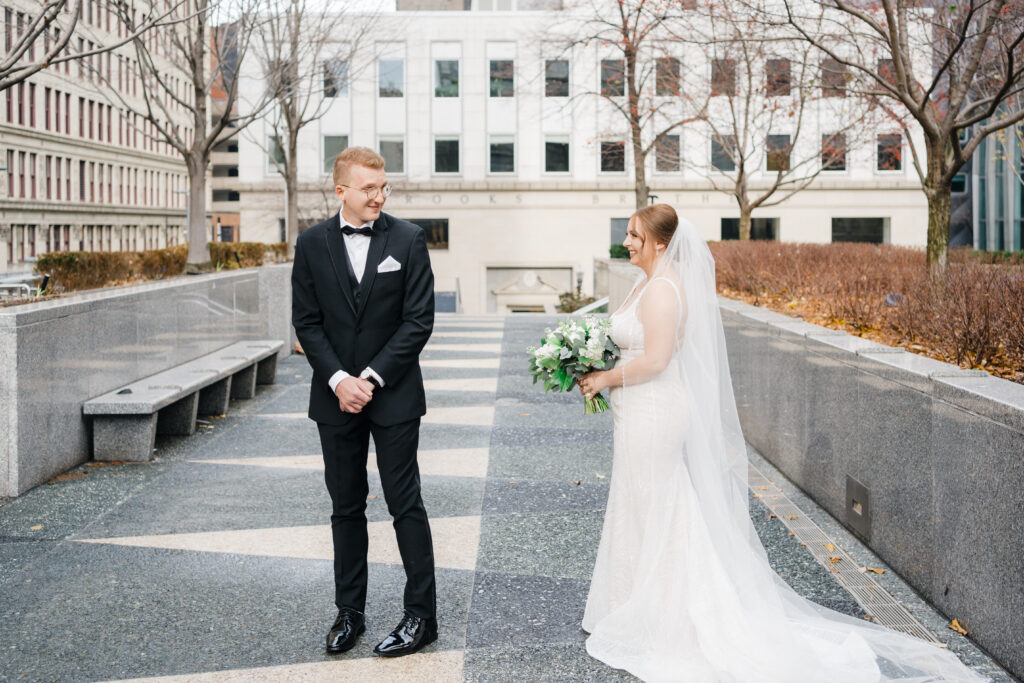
569 352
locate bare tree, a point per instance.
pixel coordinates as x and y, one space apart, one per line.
48 31
178 69
307 55
953 67
640 77
770 129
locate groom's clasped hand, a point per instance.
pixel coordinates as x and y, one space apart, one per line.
353 394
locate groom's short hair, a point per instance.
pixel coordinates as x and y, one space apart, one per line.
355 156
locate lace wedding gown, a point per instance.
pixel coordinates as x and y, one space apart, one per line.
682 589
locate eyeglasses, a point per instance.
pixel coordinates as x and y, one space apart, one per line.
371 192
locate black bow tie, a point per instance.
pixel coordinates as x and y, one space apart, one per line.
349 230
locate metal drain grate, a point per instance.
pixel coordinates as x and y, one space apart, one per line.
875 600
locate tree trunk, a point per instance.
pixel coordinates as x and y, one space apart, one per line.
937 192
291 183
198 252
938 226
744 223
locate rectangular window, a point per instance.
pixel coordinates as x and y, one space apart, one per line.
21 103
446 78
503 155
502 78
81 181
333 146
666 77
335 78
32 105
556 78
10 173
58 176
81 117
46 108
393 152
67 111
275 154
613 156
723 77
723 147
833 152
390 77
32 175
959 184
21 174
666 154
92 118
446 155
834 76
858 230
890 152
778 77
556 156
435 230
49 177
613 77
777 148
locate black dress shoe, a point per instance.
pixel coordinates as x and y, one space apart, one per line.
411 635
347 627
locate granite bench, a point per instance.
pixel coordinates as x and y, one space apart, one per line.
125 421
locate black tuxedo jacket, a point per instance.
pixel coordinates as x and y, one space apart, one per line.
385 330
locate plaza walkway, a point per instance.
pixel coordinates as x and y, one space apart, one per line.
212 563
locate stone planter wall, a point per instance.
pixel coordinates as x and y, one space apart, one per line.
54 355
933 454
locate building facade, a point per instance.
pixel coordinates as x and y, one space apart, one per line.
520 176
997 195
81 171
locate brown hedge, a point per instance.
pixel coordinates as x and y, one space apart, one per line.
246 254
971 315
76 270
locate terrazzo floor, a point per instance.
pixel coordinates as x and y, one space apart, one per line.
213 562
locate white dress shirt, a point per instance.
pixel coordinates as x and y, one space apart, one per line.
357 247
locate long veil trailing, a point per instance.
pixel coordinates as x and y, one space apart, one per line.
749 625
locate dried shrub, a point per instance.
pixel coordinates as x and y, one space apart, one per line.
971 315
77 270
246 254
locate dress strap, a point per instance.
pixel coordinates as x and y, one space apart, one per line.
679 296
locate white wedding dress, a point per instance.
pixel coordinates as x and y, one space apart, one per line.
682 589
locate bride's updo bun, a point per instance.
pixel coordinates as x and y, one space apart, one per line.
659 222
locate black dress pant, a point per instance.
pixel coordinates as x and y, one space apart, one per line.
345 450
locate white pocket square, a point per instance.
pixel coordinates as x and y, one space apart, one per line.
389 265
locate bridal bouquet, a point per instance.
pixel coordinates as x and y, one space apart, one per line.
570 351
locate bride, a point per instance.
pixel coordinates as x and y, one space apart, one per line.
682 589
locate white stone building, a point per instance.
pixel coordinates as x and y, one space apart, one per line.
493 146
80 172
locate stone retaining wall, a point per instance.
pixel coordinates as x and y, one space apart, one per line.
933 456
54 355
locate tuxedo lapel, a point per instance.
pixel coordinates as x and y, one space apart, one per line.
378 241
336 251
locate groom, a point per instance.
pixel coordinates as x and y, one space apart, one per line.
363 308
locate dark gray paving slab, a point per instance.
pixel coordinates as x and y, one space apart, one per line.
562 544
542 496
540 454
515 611
552 416
537 663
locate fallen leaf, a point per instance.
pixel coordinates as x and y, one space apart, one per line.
524 415
834 558
831 548
371 497
756 495
790 516
804 543
601 476
869 616
955 626
37 527
67 476
875 570
577 482
511 482
792 534
771 515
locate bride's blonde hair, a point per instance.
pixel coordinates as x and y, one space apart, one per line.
660 222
